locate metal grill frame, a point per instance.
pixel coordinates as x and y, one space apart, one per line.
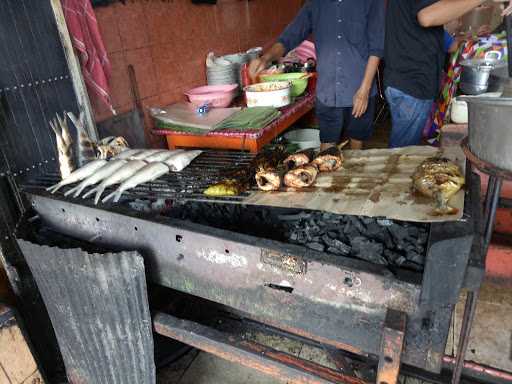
234 270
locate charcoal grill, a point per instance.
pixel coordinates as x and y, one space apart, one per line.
391 315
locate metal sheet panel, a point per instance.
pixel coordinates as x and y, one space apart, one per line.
99 310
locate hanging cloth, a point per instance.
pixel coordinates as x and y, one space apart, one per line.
86 39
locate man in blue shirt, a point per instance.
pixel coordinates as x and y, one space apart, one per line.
349 40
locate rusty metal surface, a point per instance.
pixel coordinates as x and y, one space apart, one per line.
249 354
99 310
392 343
484 166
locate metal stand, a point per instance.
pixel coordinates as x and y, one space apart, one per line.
496 177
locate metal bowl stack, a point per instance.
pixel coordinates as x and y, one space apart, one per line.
220 71
237 60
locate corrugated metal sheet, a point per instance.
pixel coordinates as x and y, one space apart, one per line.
99 310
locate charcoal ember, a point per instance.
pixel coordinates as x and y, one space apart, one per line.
413 232
329 241
345 249
334 226
422 238
357 223
394 257
327 216
367 220
316 246
412 266
332 234
335 251
416 258
294 236
316 239
368 250
376 232
385 222
296 217
350 231
301 237
399 234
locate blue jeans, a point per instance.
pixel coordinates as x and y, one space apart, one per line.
408 117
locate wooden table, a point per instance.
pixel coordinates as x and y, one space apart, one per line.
251 141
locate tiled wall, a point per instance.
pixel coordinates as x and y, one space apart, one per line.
167 42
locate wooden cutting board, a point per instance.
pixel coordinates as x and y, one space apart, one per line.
375 182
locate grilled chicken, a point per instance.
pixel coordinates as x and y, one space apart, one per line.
301 177
440 179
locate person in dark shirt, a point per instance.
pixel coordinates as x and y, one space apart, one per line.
414 58
349 40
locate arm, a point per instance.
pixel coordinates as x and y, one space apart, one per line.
375 35
360 99
294 34
443 11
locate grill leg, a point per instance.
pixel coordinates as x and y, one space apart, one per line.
491 204
391 347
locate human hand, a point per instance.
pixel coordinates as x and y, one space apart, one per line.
360 102
256 66
508 9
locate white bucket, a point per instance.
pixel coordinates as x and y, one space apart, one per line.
304 138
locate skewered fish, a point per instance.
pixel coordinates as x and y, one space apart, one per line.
148 173
104 172
145 153
440 179
162 156
329 160
126 154
269 180
301 177
299 158
125 172
179 161
239 181
64 146
79 174
87 148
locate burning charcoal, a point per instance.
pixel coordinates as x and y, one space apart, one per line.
413 266
416 258
342 247
368 250
384 222
316 246
350 231
394 258
327 240
297 217
356 223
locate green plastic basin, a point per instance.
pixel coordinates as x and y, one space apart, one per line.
298 85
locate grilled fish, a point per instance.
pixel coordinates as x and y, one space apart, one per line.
299 158
269 180
148 173
440 179
79 174
64 146
125 172
104 172
162 156
126 154
109 147
87 148
179 161
301 177
145 153
329 160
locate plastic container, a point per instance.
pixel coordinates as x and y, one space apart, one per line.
218 96
299 85
272 94
304 138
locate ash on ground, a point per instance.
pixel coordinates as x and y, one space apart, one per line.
386 242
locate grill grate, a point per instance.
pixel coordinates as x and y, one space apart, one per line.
208 168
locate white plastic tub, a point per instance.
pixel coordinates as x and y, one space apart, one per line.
274 94
304 138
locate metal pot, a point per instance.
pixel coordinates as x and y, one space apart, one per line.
490 130
475 75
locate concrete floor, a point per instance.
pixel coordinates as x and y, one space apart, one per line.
491 344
